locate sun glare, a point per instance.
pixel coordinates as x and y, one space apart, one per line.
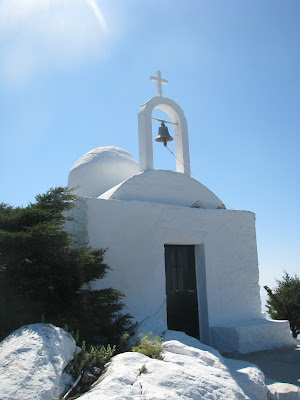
98 14
42 34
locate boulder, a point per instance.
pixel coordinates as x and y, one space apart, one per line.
32 360
284 391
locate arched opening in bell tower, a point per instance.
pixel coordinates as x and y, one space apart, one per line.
162 156
146 136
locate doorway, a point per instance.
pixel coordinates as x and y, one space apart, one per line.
181 289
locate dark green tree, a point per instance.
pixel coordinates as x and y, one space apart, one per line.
42 272
284 301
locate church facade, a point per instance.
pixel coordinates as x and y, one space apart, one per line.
183 260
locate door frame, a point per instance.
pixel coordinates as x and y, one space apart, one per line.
202 294
200 270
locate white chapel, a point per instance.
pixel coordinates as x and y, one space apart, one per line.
183 260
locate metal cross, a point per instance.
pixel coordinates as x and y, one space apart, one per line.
158 79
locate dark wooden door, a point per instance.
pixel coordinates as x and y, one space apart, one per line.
181 288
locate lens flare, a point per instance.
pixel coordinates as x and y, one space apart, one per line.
98 14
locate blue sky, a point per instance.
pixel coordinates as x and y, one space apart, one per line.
73 75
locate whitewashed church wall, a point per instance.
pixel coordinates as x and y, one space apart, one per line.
128 230
135 233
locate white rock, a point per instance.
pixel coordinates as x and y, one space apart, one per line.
32 360
249 377
190 341
284 391
187 373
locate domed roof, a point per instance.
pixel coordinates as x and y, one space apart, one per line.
167 187
101 169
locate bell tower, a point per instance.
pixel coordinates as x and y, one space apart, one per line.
177 117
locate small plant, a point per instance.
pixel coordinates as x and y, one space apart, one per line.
88 358
124 344
75 335
143 369
149 347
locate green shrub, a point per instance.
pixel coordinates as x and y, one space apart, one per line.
284 301
149 347
42 272
88 358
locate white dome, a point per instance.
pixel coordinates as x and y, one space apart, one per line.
166 187
101 169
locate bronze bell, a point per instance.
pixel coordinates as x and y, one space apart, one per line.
163 134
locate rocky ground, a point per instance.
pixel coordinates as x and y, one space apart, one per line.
33 358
